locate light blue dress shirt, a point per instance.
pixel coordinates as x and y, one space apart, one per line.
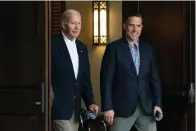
135 55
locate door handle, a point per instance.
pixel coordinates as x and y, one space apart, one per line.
36 103
40 103
192 93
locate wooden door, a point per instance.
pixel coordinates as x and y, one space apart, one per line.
23 68
169 27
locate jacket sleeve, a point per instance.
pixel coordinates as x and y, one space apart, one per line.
106 78
87 93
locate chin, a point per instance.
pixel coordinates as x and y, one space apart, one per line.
75 35
134 38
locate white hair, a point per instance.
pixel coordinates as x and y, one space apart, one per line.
65 15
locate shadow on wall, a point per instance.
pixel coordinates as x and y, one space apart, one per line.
95 56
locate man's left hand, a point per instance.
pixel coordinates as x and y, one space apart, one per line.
156 108
93 108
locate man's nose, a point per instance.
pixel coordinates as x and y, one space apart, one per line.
77 26
135 28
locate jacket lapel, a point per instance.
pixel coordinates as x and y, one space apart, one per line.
80 51
65 54
127 53
142 51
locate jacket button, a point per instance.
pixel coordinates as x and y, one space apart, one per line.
74 97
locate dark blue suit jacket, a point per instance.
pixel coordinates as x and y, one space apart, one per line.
121 87
64 84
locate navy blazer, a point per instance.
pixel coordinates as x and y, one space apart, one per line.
67 89
121 87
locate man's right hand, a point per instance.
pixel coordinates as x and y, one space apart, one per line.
109 116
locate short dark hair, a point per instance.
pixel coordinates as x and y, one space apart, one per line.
134 14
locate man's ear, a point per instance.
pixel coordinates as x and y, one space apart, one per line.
124 26
142 26
63 26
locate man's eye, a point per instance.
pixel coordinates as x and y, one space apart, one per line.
131 25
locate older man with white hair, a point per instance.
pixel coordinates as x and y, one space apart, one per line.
70 77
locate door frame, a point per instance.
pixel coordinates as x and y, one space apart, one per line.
47 65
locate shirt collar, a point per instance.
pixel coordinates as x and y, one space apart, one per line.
66 39
137 43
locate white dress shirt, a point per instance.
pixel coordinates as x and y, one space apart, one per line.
71 46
